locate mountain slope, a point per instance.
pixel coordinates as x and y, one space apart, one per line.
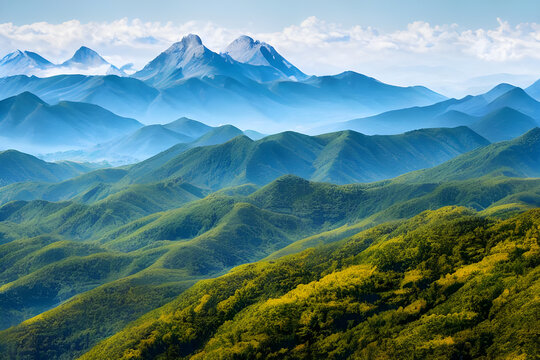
433 284
519 158
534 90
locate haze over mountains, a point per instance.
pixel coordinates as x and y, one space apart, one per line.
150 140
249 84
28 122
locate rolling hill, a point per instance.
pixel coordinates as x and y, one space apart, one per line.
517 158
139 250
341 157
154 248
454 256
429 286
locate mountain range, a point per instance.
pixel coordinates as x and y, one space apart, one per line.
83 61
342 157
150 140
249 85
500 114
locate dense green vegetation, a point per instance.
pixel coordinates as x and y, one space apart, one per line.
342 157
445 284
98 251
519 157
167 251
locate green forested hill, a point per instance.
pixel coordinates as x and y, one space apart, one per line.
96 252
519 157
342 157
446 284
166 251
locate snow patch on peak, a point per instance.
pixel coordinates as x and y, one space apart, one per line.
188 42
23 63
85 57
192 40
249 51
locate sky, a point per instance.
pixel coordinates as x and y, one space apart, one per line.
454 47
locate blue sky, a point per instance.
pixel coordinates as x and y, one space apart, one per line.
455 47
275 14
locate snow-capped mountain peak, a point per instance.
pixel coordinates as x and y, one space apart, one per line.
89 62
86 57
12 56
31 58
249 51
181 51
85 61
23 62
185 58
191 40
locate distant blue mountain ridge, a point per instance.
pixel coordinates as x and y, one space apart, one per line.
250 83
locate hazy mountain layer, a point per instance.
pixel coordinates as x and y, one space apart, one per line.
27 121
500 114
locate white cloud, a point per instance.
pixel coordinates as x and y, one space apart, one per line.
439 56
